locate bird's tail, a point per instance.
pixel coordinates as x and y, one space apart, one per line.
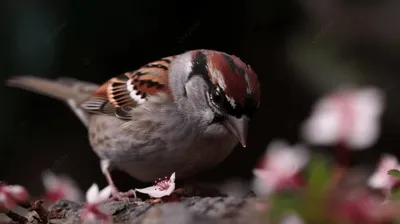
70 90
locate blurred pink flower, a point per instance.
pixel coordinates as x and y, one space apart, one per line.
380 179
348 116
280 167
60 187
359 208
162 187
11 195
93 210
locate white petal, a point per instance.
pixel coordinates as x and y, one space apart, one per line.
258 173
172 178
379 181
274 151
260 188
270 178
73 194
105 193
369 101
49 180
277 145
295 159
287 160
170 189
390 161
92 194
365 132
72 191
321 128
16 189
154 192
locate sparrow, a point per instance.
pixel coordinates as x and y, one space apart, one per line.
183 113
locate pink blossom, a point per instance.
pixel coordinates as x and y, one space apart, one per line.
380 179
10 195
358 208
348 116
280 167
60 187
162 187
93 210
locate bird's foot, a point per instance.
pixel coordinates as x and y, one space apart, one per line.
123 196
116 194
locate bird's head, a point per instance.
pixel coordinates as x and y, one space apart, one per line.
218 88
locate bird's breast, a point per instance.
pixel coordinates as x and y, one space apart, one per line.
150 148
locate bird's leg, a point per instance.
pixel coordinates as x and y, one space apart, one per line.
116 194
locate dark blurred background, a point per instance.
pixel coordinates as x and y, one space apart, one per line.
299 49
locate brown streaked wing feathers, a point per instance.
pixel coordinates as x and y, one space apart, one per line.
120 94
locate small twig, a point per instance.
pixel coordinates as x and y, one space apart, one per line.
38 208
16 217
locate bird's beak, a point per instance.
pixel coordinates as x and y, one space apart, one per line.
238 127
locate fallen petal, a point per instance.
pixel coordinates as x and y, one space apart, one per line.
92 194
105 193
154 191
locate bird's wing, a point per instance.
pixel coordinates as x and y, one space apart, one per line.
119 95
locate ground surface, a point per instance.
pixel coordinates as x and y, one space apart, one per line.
194 210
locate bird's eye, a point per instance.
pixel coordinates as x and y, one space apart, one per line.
217 97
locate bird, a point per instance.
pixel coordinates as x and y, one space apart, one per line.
183 113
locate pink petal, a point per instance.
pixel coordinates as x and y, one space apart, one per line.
380 179
55 195
73 193
61 187
18 193
322 128
347 115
